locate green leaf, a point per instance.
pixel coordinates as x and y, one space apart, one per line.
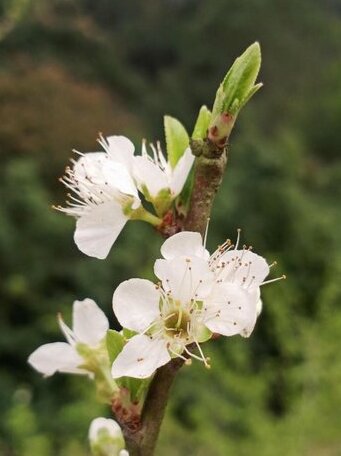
177 139
136 386
252 91
183 200
202 123
239 83
115 343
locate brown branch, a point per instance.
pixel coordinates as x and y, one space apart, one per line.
141 440
209 169
155 404
208 174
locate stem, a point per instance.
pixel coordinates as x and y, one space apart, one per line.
142 214
208 174
209 169
155 404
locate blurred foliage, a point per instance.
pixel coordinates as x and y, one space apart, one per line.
71 68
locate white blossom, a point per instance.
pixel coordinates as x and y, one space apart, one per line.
237 272
103 195
106 438
90 326
166 317
190 303
155 176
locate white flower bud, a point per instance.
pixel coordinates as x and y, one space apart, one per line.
106 438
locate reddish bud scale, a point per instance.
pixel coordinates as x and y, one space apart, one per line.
221 128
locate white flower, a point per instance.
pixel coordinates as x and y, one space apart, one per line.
106 438
238 273
155 176
103 195
90 326
167 318
188 305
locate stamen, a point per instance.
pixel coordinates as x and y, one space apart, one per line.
162 161
178 355
144 148
149 327
238 238
179 317
68 333
75 151
154 153
283 277
205 359
206 231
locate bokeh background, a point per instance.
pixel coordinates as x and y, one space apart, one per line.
72 68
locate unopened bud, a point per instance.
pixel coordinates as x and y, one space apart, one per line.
106 438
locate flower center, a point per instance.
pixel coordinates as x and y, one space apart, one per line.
177 324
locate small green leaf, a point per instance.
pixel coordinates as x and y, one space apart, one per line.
115 343
136 387
202 123
177 139
239 83
183 200
252 91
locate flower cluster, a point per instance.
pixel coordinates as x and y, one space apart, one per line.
105 190
197 295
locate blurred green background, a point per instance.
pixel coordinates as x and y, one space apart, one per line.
72 68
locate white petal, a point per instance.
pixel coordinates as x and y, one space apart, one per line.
259 304
89 168
140 357
185 278
97 230
181 172
96 174
117 177
90 325
259 307
230 309
121 150
150 175
123 453
244 268
58 356
185 243
108 424
136 304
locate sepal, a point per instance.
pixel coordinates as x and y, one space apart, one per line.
97 362
134 387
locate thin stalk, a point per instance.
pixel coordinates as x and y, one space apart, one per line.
209 169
